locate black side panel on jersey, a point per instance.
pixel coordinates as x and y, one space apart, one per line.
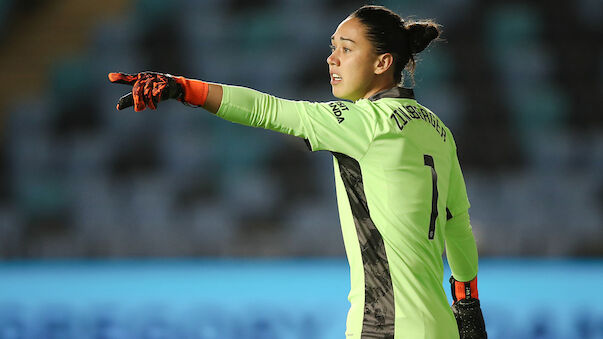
379 307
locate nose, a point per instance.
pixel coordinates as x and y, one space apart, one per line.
332 59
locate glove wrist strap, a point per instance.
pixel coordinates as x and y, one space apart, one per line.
464 290
195 91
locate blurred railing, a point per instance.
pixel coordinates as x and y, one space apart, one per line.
301 298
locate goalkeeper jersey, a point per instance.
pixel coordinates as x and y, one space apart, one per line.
401 199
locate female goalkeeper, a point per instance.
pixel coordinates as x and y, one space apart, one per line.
400 191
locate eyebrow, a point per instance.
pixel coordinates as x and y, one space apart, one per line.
342 38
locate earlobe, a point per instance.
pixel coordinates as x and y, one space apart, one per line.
384 62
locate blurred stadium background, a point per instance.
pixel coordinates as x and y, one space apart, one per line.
520 83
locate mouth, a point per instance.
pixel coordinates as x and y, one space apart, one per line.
335 78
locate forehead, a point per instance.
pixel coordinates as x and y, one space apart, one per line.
350 28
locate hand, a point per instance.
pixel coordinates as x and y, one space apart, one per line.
148 88
467 310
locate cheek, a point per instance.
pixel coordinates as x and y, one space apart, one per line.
368 63
360 70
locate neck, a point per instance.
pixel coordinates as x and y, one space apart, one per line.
384 85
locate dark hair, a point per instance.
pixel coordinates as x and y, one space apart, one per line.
389 33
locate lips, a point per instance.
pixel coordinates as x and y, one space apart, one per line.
335 78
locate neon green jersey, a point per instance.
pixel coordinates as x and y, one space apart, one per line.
401 198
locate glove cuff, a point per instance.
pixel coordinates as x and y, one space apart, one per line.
195 91
463 290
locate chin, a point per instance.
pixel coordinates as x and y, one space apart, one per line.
337 93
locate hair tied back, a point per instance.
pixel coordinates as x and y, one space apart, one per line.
420 34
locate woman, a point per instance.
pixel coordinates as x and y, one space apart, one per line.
400 190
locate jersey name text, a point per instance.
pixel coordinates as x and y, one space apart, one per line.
404 114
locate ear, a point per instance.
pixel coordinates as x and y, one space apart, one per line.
383 63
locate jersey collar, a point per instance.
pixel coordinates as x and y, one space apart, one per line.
395 92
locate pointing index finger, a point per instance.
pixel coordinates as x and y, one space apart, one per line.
123 78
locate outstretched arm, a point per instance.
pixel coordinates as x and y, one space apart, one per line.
342 127
237 104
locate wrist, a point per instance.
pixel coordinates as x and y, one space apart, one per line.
463 289
194 91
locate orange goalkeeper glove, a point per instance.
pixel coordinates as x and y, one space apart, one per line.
148 88
467 310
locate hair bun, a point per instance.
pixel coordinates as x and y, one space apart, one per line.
421 33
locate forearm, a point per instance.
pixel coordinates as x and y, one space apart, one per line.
461 249
214 98
201 93
253 108
246 106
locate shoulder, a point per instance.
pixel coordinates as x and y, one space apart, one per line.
383 109
351 111
377 107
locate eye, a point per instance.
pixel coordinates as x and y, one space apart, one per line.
332 48
345 50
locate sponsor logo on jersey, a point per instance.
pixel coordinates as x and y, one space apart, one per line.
338 108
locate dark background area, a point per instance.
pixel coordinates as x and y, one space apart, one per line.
520 84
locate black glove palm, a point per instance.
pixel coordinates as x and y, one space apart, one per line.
467 310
